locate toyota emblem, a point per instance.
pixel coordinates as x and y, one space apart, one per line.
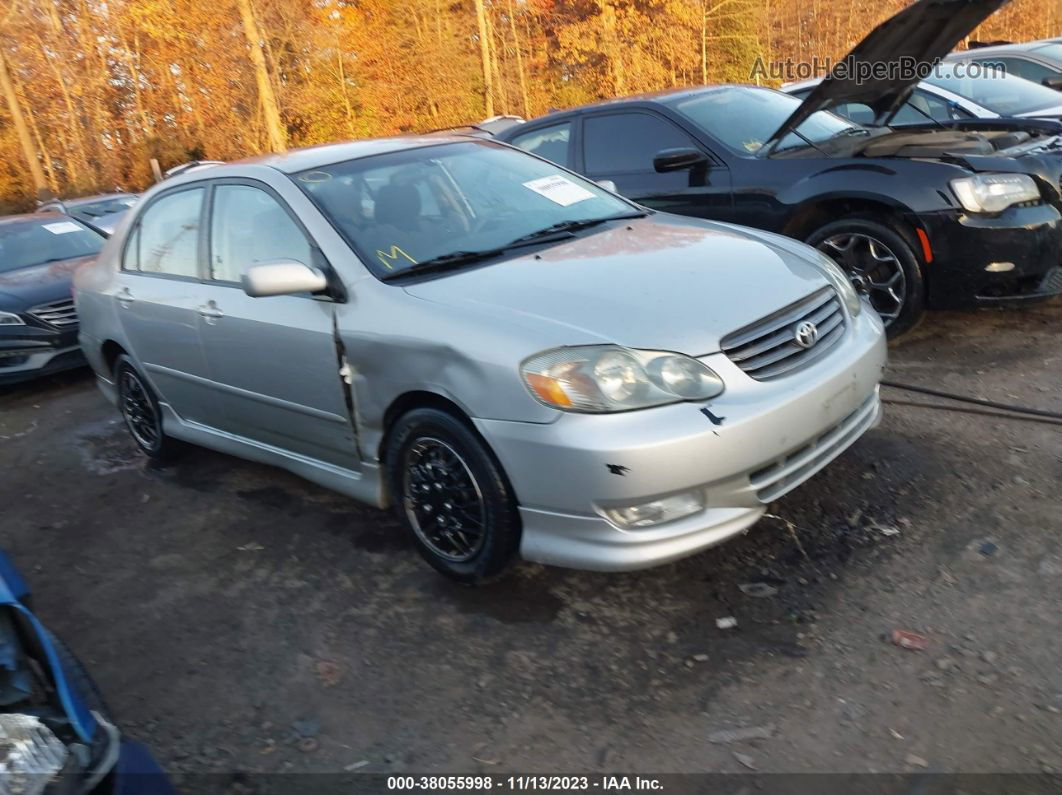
806 334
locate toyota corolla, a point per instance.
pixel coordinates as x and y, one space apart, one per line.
514 358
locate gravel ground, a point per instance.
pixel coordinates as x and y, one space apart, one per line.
239 619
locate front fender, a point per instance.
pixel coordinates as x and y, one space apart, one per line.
905 186
13 595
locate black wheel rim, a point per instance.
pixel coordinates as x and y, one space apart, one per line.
874 270
442 500
139 411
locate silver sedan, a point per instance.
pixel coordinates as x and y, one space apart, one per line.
515 359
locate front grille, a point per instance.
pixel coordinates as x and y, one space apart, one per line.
768 348
57 313
789 471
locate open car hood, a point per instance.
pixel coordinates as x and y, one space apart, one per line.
923 32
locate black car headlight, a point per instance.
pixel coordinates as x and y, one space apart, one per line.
993 193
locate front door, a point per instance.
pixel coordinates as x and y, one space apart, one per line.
620 146
274 360
158 295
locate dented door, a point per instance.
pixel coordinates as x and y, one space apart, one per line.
275 365
273 360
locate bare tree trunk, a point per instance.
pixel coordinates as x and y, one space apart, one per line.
343 87
519 62
704 42
40 184
503 94
484 55
274 127
615 57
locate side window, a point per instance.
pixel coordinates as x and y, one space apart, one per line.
250 226
131 255
168 235
552 143
1030 70
627 142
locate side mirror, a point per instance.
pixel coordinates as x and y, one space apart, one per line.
678 159
282 277
608 185
1054 81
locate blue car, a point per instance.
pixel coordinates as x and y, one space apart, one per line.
55 733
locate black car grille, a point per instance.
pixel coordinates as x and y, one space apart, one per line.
768 348
57 313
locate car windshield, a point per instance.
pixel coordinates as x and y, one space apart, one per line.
24 244
996 90
1052 51
418 205
744 118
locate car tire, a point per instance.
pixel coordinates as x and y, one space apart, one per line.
879 256
452 495
140 410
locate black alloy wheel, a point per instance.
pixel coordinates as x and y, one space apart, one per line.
140 410
450 492
881 264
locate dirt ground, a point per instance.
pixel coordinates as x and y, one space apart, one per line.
239 619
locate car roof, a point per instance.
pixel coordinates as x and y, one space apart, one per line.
668 94
80 200
923 85
326 154
1002 49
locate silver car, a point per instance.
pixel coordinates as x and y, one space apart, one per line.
514 358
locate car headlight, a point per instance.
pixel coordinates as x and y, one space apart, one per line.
841 283
609 378
992 193
11 319
29 751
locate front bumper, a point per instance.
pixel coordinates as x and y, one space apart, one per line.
771 436
963 245
31 351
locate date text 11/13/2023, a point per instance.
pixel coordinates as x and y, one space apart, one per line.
518 783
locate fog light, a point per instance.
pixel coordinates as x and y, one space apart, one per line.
666 509
999 267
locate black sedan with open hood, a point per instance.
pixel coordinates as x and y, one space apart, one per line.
947 215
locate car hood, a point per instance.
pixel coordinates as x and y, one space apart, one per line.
921 33
663 282
39 284
1054 112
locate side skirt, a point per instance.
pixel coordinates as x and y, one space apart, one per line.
364 486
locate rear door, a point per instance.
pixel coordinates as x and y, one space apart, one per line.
159 293
274 360
620 146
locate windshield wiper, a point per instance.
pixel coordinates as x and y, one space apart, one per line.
456 259
453 260
570 226
850 131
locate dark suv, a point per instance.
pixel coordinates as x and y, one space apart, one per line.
945 216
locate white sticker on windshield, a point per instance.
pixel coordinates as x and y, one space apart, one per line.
62 227
559 189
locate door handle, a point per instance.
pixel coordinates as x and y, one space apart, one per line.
210 311
125 297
